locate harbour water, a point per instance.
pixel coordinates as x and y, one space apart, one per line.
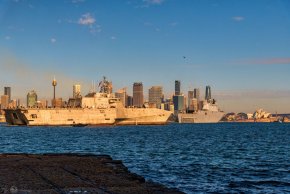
195 158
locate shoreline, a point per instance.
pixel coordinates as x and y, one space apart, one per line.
71 173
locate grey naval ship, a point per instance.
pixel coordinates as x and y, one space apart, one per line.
96 108
205 111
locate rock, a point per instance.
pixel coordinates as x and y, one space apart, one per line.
71 173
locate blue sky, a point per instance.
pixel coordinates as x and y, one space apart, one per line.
240 48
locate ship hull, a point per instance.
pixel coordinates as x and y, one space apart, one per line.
143 116
200 117
85 116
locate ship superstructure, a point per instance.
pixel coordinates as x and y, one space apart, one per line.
205 111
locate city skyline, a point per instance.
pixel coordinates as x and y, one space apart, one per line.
242 53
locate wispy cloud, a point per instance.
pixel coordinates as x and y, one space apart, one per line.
78 1
89 20
234 94
268 61
154 2
113 37
148 3
272 61
53 40
238 18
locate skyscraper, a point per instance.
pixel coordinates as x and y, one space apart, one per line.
76 91
31 99
138 94
129 101
190 97
207 93
178 101
156 95
196 94
177 87
7 91
121 94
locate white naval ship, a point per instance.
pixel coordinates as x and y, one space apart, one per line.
205 111
94 109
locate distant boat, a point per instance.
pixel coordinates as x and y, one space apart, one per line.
207 113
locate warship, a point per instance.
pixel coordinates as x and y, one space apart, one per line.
96 108
205 111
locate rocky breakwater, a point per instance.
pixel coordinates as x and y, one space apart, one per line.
71 173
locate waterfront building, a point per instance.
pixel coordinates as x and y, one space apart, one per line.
178 101
7 91
76 91
190 97
4 101
177 87
121 94
167 104
207 93
129 101
56 103
193 105
138 97
31 99
156 96
196 94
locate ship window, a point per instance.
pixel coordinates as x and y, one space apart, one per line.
15 115
34 116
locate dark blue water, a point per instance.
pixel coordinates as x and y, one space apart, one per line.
198 158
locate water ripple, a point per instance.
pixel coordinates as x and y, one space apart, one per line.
199 158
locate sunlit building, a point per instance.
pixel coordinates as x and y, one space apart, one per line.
7 91
178 101
4 101
76 91
156 96
121 94
177 87
31 99
190 96
138 97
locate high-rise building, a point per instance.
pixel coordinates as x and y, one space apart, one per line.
121 94
190 97
138 97
196 93
4 101
31 99
76 91
177 87
7 91
207 93
178 101
129 101
156 95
